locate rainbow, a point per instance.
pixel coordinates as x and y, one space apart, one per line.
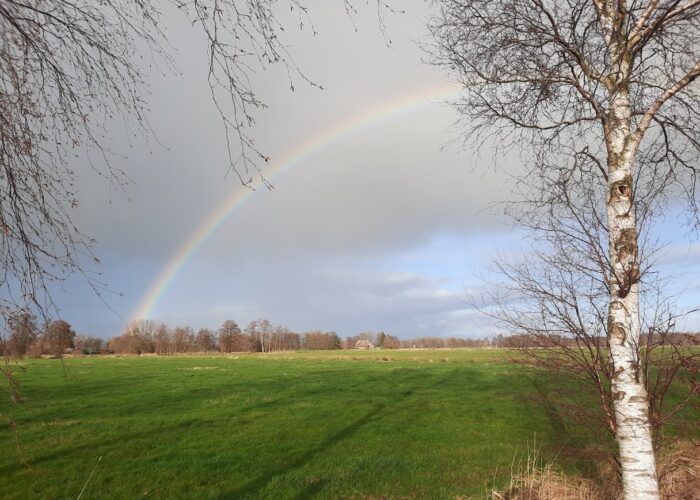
340 131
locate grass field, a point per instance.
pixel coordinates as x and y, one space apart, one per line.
425 424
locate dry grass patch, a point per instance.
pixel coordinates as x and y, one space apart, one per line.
679 472
679 479
547 483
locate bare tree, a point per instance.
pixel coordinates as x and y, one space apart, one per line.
23 332
283 339
59 337
554 300
318 340
139 336
228 330
393 342
182 339
259 331
88 345
162 342
205 340
599 97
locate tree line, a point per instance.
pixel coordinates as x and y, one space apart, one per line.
25 338
148 336
57 337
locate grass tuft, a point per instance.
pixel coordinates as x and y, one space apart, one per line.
533 479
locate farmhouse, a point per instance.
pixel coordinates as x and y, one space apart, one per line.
364 344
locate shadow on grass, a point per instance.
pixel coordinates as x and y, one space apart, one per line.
380 393
312 490
581 444
152 408
103 446
378 412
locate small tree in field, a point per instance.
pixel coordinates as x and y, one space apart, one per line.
599 97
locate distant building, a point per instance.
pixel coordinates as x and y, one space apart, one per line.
364 344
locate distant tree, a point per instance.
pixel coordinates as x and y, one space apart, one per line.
391 342
229 329
59 336
454 343
139 335
118 345
259 332
162 341
334 341
23 332
282 339
265 330
183 339
205 340
243 343
253 335
428 342
88 345
315 340
225 343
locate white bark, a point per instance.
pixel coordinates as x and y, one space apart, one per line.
633 432
631 403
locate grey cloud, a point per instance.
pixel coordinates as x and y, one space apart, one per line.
388 183
316 251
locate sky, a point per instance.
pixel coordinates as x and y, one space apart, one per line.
379 219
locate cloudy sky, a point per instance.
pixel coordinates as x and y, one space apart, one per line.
378 223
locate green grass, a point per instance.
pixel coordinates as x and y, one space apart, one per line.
423 424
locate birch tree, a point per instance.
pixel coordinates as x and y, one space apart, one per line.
599 96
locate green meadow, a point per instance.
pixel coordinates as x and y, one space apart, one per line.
336 424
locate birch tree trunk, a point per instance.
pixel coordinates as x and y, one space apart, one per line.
546 76
631 404
630 399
